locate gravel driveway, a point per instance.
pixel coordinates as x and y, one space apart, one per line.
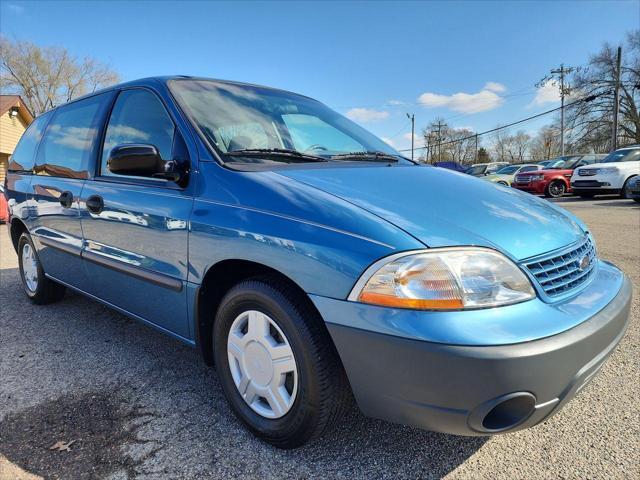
137 404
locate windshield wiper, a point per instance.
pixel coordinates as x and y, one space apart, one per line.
366 157
276 152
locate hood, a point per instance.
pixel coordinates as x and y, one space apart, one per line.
495 176
443 208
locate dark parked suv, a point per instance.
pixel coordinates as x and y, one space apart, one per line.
310 261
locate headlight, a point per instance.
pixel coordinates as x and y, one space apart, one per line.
444 279
608 170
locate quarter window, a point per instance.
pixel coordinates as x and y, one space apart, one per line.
138 117
23 157
68 143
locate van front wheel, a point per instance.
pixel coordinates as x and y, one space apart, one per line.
277 364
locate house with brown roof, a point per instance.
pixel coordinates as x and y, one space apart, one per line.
15 117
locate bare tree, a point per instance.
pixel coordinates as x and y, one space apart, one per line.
499 145
518 147
445 143
46 77
546 144
590 122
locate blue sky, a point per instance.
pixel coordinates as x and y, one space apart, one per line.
473 63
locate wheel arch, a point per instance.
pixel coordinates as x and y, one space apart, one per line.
563 179
216 282
623 189
17 228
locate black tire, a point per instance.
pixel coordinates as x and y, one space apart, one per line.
47 291
323 393
587 195
504 184
623 192
555 189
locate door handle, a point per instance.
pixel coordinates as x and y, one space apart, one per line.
66 199
95 204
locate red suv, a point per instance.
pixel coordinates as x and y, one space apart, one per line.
554 179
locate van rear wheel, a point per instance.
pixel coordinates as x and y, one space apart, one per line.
40 289
277 364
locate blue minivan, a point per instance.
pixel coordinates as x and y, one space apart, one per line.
310 262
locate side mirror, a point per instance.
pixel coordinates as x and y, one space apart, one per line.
138 160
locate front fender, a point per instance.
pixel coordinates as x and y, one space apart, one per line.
321 242
321 259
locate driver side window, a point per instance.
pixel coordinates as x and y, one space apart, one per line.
138 116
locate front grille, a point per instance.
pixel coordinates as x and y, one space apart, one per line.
587 183
587 172
560 272
523 178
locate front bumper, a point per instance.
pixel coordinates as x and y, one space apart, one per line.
594 186
537 186
474 389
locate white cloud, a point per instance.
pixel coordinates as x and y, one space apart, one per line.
549 92
485 99
417 139
494 87
366 115
395 102
388 141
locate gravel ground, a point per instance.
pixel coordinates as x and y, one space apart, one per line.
138 404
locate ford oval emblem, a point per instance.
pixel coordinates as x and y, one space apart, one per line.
584 263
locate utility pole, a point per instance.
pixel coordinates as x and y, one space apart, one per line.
476 161
616 103
559 73
438 138
412 117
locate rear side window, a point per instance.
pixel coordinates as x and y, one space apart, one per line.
23 157
138 116
69 141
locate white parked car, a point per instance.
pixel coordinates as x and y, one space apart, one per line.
611 175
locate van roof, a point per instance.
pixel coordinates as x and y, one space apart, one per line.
164 79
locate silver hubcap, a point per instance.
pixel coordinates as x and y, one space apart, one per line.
29 268
262 364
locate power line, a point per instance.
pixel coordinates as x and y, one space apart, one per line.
501 127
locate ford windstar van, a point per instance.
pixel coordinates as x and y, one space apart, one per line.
310 262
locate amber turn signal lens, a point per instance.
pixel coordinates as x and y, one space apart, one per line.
415 303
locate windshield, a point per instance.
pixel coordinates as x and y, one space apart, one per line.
508 170
476 169
270 125
562 163
622 156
